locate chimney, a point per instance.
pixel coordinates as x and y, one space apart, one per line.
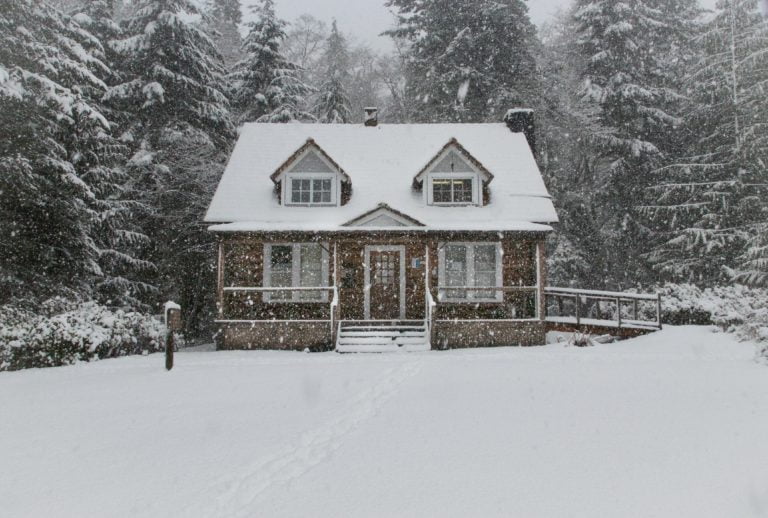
520 120
371 116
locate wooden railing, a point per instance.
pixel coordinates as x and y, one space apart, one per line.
333 305
444 297
586 308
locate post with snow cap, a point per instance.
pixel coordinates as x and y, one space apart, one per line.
371 116
172 320
521 120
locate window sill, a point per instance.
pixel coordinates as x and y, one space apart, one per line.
469 301
311 205
323 301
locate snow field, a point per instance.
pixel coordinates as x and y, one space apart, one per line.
670 424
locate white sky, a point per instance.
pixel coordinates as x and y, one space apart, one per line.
366 19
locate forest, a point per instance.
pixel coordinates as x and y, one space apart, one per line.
117 118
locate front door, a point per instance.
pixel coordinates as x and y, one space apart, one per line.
384 294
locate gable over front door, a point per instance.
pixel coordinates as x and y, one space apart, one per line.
385 282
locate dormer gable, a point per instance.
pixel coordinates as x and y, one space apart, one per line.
453 177
311 178
383 216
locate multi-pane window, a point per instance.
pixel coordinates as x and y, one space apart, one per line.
311 191
295 265
281 271
452 190
470 265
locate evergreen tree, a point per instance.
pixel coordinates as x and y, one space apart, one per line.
226 17
467 60
267 87
101 162
173 91
55 199
332 103
629 78
174 73
712 198
566 158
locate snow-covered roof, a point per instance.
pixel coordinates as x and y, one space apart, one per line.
381 163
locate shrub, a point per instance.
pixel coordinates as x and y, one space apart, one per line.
60 332
736 309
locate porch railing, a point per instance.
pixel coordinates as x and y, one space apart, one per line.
443 290
593 314
333 305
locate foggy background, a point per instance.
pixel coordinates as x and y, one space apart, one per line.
367 19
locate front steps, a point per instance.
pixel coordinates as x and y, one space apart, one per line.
380 337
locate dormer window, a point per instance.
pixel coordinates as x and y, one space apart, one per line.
311 191
452 191
453 177
310 179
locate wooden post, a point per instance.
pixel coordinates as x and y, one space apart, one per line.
172 324
169 350
618 310
220 280
334 295
634 308
658 309
428 316
578 305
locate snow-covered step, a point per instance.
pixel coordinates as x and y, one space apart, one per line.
385 337
381 340
366 334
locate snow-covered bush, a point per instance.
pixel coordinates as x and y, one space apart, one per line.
736 309
61 333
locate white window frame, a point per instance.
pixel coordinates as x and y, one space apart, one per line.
295 273
443 294
288 183
431 177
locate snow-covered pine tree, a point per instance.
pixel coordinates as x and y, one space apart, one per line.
53 201
630 78
266 86
99 159
752 268
467 60
175 74
567 160
332 104
713 197
226 16
173 91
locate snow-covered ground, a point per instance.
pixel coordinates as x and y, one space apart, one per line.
672 424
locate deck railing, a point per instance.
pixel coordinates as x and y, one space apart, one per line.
587 309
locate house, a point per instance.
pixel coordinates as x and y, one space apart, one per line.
375 237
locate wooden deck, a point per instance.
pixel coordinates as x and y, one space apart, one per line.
602 312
